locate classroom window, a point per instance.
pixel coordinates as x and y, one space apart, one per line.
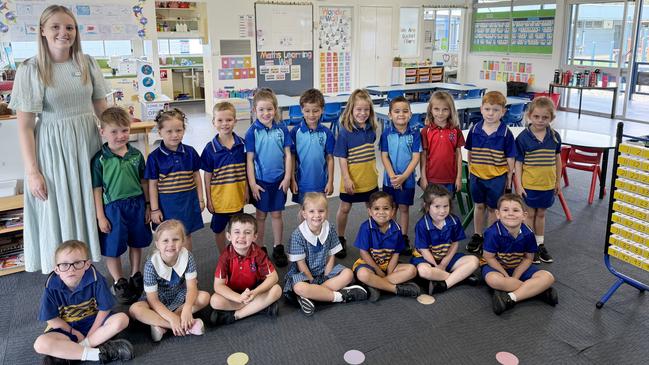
175 47
447 30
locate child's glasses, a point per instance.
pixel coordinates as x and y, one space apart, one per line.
65 266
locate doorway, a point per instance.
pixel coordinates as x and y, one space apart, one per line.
375 57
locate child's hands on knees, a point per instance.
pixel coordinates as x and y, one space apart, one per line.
176 325
251 296
186 319
244 296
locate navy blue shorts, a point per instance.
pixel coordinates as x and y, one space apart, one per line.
127 227
358 197
183 206
83 329
401 196
419 260
221 220
273 199
539 198
486 269
487 191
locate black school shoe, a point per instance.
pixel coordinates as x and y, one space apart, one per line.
501 302
436 287
536 259
544 255
136 283
115 350
279 256
222 317
549 296
272 310
472 280
342 253
408 290
475 245
122 291
373 294
353 293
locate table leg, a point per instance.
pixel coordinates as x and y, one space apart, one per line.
614 104
602 182
579 113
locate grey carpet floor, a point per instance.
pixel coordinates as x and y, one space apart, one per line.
459 328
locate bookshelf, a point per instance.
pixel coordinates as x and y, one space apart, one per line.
10 236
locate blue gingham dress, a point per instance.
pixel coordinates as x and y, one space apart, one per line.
315 250
168 281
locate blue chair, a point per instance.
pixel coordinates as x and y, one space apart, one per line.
295 116
514 115
474 94
417 121
470 117
424 97
331 114
391 95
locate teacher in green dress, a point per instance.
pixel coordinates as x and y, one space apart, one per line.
58 95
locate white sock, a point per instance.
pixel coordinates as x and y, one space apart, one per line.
85 342
539 240
90 354
512 295
338 297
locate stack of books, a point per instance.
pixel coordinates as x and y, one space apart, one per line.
11 251
11 219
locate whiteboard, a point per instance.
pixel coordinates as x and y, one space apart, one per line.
283 27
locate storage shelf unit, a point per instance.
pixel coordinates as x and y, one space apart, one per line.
196 25
417 74
7 204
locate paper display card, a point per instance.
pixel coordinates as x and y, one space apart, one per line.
334 37
529 31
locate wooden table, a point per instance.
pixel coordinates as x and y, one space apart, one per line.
146 128
582 88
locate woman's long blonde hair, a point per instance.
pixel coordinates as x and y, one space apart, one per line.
44 60
347 120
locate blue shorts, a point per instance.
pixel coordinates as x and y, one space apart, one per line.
127 227
539 198
420 260
401 196
221 220
486 269
81 328
487 191
358 197
273 199
183 206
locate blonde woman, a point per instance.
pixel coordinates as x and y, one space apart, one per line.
66 91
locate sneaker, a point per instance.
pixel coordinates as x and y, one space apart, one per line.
222 317
536 259
407 251
306 305
436 286
136 283
475 245
550 296
353 293
272 310
279 256
408 290
198 328
157 332
115 350
501 302
342 253
122 291
544 255
374 294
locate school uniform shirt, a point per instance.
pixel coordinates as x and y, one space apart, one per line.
441 145
311 148
228 169
169 281
437 240
174 170
357 147
509 251
539 159
489 153
120 177
400 147
381 246
243 272
268 145
79 306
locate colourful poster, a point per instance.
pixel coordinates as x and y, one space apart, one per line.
334 35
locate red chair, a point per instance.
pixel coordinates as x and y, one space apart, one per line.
585 159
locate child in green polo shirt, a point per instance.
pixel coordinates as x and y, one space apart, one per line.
121 203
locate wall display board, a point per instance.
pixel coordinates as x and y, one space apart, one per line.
97 22
529 31
235 68
335 39
284 47
507 70
627 232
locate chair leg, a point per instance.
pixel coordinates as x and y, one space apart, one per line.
593 185
564 205
565 177
460 202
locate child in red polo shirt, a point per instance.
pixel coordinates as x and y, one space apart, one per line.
441 138
245 280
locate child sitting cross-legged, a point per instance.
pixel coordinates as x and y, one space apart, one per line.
509 248
314 274
245 280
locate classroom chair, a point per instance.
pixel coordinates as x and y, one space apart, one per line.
585 159
391 95
417 121
514 115
331 114
294 116
470 117
424 97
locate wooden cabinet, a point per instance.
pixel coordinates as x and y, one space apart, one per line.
11 236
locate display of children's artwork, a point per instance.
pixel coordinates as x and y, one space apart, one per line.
507 70
334 39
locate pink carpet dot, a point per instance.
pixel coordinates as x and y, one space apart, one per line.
354 357
506 358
